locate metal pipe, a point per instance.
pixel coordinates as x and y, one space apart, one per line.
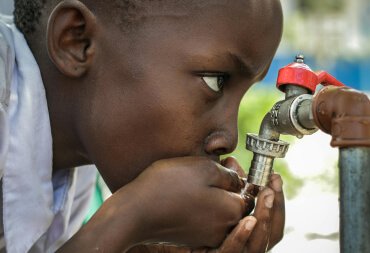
354 164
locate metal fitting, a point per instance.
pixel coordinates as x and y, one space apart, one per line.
276 149
301 115
294 116
265 151
299 58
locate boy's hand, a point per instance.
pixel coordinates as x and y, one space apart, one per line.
191 200
246 237
234 243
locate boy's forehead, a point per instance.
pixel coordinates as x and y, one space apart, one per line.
136 12
214 25
173 9
208 35
241 16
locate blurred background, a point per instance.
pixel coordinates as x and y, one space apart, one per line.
334 35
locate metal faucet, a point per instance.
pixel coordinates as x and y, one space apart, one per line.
337 110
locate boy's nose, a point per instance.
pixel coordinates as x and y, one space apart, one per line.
224 138
221 142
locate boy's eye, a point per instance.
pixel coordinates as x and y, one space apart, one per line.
216 82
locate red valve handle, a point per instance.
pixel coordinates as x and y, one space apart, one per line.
298 73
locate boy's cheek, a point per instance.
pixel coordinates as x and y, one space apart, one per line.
126 150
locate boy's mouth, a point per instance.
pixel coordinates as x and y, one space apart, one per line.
215 158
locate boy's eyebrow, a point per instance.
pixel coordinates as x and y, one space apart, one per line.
244 66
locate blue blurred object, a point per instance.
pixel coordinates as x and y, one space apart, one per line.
353 73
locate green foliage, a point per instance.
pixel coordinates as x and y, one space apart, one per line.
255 104
323 6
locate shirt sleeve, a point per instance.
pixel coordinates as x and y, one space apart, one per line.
5 79
3 138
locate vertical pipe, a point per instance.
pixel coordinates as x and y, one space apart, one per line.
354 165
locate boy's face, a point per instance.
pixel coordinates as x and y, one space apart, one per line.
172 87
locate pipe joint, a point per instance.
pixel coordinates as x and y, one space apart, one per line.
343 113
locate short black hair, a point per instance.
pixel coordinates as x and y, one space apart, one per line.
27 14
126 13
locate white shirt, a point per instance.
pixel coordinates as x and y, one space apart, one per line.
40 211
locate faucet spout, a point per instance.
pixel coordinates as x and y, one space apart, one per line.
268 129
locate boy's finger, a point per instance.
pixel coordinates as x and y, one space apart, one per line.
278 211
227 179
231 163
236 241
259 239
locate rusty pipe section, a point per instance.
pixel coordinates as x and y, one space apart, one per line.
343 113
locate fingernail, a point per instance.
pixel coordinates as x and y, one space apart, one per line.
223 161
242 181
277 184
269 201
251 222
229 163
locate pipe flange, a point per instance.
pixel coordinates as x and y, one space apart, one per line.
266 147
294 117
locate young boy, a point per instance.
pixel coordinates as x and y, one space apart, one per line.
148 91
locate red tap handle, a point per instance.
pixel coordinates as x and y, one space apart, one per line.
298 73
325 78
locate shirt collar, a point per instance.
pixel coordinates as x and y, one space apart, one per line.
27 185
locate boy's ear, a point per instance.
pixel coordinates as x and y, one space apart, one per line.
70 37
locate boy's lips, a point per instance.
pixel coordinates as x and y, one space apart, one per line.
215 158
